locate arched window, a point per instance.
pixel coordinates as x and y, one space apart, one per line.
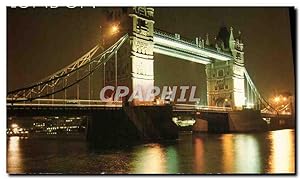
220 73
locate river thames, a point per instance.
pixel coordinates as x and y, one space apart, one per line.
265 152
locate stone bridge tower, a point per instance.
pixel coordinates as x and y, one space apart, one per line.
135 58
225 80
141 57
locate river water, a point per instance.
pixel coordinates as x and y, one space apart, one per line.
265 152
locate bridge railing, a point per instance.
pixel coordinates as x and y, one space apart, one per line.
168 35
201 107
67 102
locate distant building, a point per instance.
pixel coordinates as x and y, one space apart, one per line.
59 125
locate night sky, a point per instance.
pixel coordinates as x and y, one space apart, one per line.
40 41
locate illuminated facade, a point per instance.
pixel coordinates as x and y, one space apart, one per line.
135 61
59 125
224 59
225 80
141 41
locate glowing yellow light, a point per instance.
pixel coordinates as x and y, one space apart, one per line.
228 154
282 151
114 29
277 99
15 130
14 126
149 160
284 99
226 99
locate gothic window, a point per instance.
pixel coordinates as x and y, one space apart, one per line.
220 73
220 84
141 23
226 86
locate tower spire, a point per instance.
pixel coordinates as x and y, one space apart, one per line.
231 39
207 40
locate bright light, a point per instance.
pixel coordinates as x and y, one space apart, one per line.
284 99
277 99
250 105
114 29
15 130
14 126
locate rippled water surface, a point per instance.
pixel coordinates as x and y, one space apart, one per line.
268 152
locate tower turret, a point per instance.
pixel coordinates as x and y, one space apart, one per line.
231 40
207 40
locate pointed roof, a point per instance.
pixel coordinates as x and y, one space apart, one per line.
231 37
223 36
207 40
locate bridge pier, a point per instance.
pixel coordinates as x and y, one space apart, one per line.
130 125
111 128
214 122
231 121
281 122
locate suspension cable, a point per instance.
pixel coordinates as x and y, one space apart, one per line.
254 89
99 60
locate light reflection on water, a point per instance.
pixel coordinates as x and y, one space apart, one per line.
149 159
247 154
282 158
228 153
14 155
269 152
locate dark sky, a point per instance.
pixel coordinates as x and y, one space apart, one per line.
40 41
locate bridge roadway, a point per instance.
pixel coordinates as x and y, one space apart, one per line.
40 107
194 109
83 107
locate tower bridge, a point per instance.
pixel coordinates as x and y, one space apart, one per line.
130 62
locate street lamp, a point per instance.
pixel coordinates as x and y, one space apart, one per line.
114 29
284 98
277 99
109 30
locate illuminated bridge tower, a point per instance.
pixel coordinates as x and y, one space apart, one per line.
225 80
141 41
135 59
